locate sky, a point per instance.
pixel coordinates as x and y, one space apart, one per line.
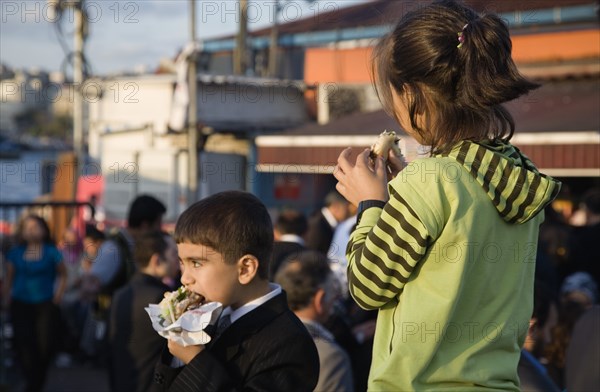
124 35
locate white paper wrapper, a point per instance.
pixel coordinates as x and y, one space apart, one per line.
188 330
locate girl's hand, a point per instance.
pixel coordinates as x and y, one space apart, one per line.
186 354
360 181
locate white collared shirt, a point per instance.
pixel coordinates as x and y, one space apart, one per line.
291 238
329 217
250 306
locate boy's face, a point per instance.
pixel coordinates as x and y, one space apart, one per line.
204 271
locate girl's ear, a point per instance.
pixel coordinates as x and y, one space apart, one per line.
247 268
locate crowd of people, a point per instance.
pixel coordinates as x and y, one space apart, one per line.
65 302
433 276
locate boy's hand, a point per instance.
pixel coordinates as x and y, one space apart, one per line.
186 354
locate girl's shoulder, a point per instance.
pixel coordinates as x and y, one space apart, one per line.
427 171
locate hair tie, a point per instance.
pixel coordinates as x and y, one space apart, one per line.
461 37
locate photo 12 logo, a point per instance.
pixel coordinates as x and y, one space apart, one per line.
52 11
264 11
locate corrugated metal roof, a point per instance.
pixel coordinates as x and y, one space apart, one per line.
558 106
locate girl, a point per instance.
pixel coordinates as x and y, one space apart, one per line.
447 252
32 271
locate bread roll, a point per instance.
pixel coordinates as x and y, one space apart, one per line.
387 140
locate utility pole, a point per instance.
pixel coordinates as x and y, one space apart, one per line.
78 88
192 114
240 61
274 44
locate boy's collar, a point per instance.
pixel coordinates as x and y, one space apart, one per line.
275 290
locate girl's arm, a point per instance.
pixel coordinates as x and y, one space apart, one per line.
387 243
383 251
62 282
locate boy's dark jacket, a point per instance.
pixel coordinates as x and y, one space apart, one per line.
267 349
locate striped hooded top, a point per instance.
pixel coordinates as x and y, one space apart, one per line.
449 263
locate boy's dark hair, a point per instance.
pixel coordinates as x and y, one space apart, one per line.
334 197
291 221
147 244
460 89
301 276
93 233
233 223
145 209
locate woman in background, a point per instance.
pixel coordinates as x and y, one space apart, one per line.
35 268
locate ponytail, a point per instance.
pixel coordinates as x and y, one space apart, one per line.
489 74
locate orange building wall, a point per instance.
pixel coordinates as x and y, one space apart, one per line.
352 65
337 65
556 46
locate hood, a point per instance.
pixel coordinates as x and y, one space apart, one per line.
512 182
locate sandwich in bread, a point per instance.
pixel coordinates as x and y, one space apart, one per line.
177 302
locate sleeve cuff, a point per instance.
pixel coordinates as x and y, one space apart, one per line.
369 217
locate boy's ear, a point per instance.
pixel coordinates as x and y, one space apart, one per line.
247 268
154 261
319 300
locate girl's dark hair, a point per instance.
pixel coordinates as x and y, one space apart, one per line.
233 223
459 89
47 239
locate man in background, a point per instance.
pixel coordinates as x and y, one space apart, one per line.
311 294
322 223
288 230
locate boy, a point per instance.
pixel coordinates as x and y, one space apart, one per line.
224 244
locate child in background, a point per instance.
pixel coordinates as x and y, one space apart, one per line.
446 252
134 345
225 243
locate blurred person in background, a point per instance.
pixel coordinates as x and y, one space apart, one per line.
113 264
532 374
71 248
553 261
584 250
337 249
583 354
173 277
577 294
35 283
323 222
311 293
113 267
74 308
288 230
134 345
91 244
